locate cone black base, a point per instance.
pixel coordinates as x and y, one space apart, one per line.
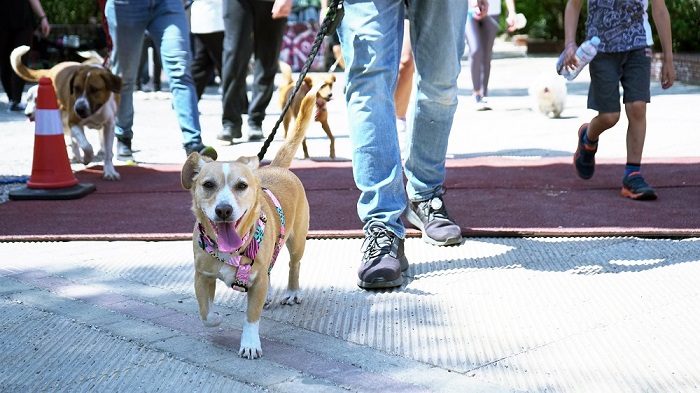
77 191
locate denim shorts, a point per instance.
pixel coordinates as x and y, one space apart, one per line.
631 69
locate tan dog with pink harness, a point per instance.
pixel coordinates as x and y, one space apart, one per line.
245 213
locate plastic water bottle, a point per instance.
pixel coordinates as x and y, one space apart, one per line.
584 54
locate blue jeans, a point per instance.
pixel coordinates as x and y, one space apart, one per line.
167 25
370 36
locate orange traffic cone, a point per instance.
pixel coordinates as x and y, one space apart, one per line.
52 176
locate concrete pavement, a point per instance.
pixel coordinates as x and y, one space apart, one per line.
614 314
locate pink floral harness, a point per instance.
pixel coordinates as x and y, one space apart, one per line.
242 279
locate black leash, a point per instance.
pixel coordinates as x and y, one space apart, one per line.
334 15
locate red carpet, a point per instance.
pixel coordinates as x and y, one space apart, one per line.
488 196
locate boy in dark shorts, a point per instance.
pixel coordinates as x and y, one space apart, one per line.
624 58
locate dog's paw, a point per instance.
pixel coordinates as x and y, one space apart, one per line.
213 320
110 175
250 341
291 297
250 352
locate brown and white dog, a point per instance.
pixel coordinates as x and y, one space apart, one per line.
320 87
88 96
244 213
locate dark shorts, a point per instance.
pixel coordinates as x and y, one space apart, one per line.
608 71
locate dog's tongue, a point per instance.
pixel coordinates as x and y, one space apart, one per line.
228 240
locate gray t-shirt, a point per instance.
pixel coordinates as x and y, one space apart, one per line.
621 25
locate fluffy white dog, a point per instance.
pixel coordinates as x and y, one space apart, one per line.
548 94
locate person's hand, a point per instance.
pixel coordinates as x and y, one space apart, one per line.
281 9
668 74
483 8
45 27
570 61
511 20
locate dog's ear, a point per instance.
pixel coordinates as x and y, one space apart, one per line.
250 162
71 81
191 169
114 83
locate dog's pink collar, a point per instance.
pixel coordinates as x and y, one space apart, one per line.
240 283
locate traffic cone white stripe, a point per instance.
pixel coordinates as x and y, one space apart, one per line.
47 122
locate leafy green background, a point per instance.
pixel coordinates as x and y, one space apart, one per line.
72 12
546 20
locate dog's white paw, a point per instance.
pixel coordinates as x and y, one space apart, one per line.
213 320
291 297
110 174
250 341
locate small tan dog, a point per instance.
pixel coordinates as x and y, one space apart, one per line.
88 96
241 226
321 88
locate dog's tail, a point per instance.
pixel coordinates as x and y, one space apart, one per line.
286 71
25 73
286 153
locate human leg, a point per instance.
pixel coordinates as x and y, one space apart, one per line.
201 64
214 44
436 103
633 184
238 24
476 52
489 31
143 76
404 85
11 82
635 83
157 65
604 97
5 66
170 32
267 43
372 70
370 36
127 22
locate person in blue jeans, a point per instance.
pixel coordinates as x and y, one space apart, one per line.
371 40
166 22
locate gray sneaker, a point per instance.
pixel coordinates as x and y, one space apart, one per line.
383 259
124 152
430 216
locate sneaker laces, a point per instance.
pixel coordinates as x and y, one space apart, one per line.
636 182
379 241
